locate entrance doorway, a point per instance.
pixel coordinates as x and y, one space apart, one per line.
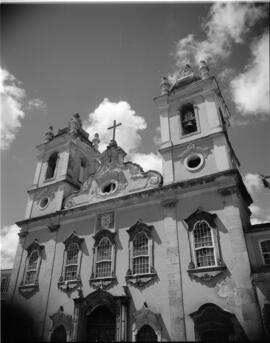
146 334
101 325
59 334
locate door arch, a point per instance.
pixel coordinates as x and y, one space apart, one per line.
146 334
59 334
101 325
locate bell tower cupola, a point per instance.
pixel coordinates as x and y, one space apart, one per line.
194 120
65 160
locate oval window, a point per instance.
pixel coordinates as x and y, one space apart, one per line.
44 203
109 187
194 162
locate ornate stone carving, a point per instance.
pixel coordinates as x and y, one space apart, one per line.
96 141
140 280
204 70
49 134
192 149
102 283
75 124
206 274
127 177
164 85
200 215
140 227
105 221
147 317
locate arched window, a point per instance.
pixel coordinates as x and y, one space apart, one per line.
204 248
51 166
104 258
82 171
70 276
71 265
265 251
31 271
32 267
140 256
188 119
103 267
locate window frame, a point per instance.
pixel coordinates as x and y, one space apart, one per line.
141 255
213 246
262 253
204 273
70 284
97 281
82 170
141 279
25 286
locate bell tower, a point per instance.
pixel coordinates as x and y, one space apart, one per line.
194 122
65 160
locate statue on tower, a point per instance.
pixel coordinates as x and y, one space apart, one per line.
75 124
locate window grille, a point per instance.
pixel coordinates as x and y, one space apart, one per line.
32 268
71 262
265 248
140 254
104 258
203 245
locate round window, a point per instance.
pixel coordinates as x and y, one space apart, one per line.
109 187
194 162
44 202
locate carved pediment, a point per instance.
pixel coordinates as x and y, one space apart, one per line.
61 318
73 238
140 227
201 215
35 245
113 178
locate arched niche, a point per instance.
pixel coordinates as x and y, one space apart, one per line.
61 326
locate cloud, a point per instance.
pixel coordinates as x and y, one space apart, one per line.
8 245
127 135
148 161
250 89
253 183
14 101
227 23
259 209
259 214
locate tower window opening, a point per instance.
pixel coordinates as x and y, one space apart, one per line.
51 165
188 119
82 171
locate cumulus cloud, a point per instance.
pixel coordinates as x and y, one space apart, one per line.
127 135
227 24
253 183
8 245
250 89
259 209
259 214
13 103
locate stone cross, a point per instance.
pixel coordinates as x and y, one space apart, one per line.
114 127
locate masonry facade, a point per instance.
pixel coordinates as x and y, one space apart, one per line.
108 251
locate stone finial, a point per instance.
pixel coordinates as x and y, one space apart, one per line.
49 134
164 85
75 124
204 70
187 70
96 141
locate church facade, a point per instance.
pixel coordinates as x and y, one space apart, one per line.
110 252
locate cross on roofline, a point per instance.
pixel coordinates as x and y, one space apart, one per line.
114 127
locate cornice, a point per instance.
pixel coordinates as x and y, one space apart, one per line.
160 193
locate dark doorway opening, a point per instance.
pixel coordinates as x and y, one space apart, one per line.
101 325
59 334
146 334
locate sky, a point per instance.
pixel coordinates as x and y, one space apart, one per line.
105 61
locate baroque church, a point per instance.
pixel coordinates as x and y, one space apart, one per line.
110 252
